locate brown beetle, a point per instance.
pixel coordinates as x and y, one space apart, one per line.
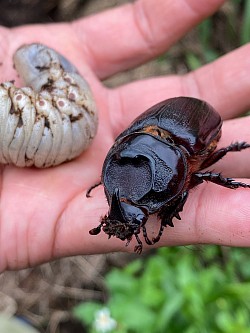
154 164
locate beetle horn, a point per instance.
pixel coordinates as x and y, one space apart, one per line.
115 212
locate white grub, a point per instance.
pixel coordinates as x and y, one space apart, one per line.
53 119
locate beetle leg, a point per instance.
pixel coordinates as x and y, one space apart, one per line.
218 179
168 213
181 203
155 239
91 188
138 248
158 237
217 155
144 231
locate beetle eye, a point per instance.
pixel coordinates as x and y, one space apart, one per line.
133 214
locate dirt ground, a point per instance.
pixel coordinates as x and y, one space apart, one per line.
45 295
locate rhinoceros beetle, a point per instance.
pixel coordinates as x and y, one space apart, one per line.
156 161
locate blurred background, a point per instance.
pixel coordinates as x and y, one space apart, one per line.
183 289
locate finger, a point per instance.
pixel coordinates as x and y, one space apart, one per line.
81 215
114 40
234 164
124 37
206 219
60 37
225 84
212 215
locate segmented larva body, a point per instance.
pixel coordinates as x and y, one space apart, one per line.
51 121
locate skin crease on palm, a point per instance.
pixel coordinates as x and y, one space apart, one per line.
44 214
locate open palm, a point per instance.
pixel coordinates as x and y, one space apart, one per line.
44 214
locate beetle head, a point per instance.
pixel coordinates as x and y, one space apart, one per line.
123 219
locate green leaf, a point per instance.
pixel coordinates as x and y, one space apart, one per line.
193 61
245 30
134 316
85 312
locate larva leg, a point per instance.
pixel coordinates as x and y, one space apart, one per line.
51 121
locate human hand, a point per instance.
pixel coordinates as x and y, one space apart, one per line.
45 214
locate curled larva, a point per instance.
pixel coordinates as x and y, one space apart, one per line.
53 119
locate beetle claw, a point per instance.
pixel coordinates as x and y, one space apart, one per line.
128 241
91 188
177 215
138 248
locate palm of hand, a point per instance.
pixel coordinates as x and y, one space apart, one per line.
37 203
45 214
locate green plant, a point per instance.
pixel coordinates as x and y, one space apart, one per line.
245 28
217 35
179 290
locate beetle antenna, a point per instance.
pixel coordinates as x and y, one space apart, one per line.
96 231
91 188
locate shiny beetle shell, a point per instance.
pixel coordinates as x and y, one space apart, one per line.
51 121
156 161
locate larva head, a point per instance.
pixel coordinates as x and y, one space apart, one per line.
33 62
